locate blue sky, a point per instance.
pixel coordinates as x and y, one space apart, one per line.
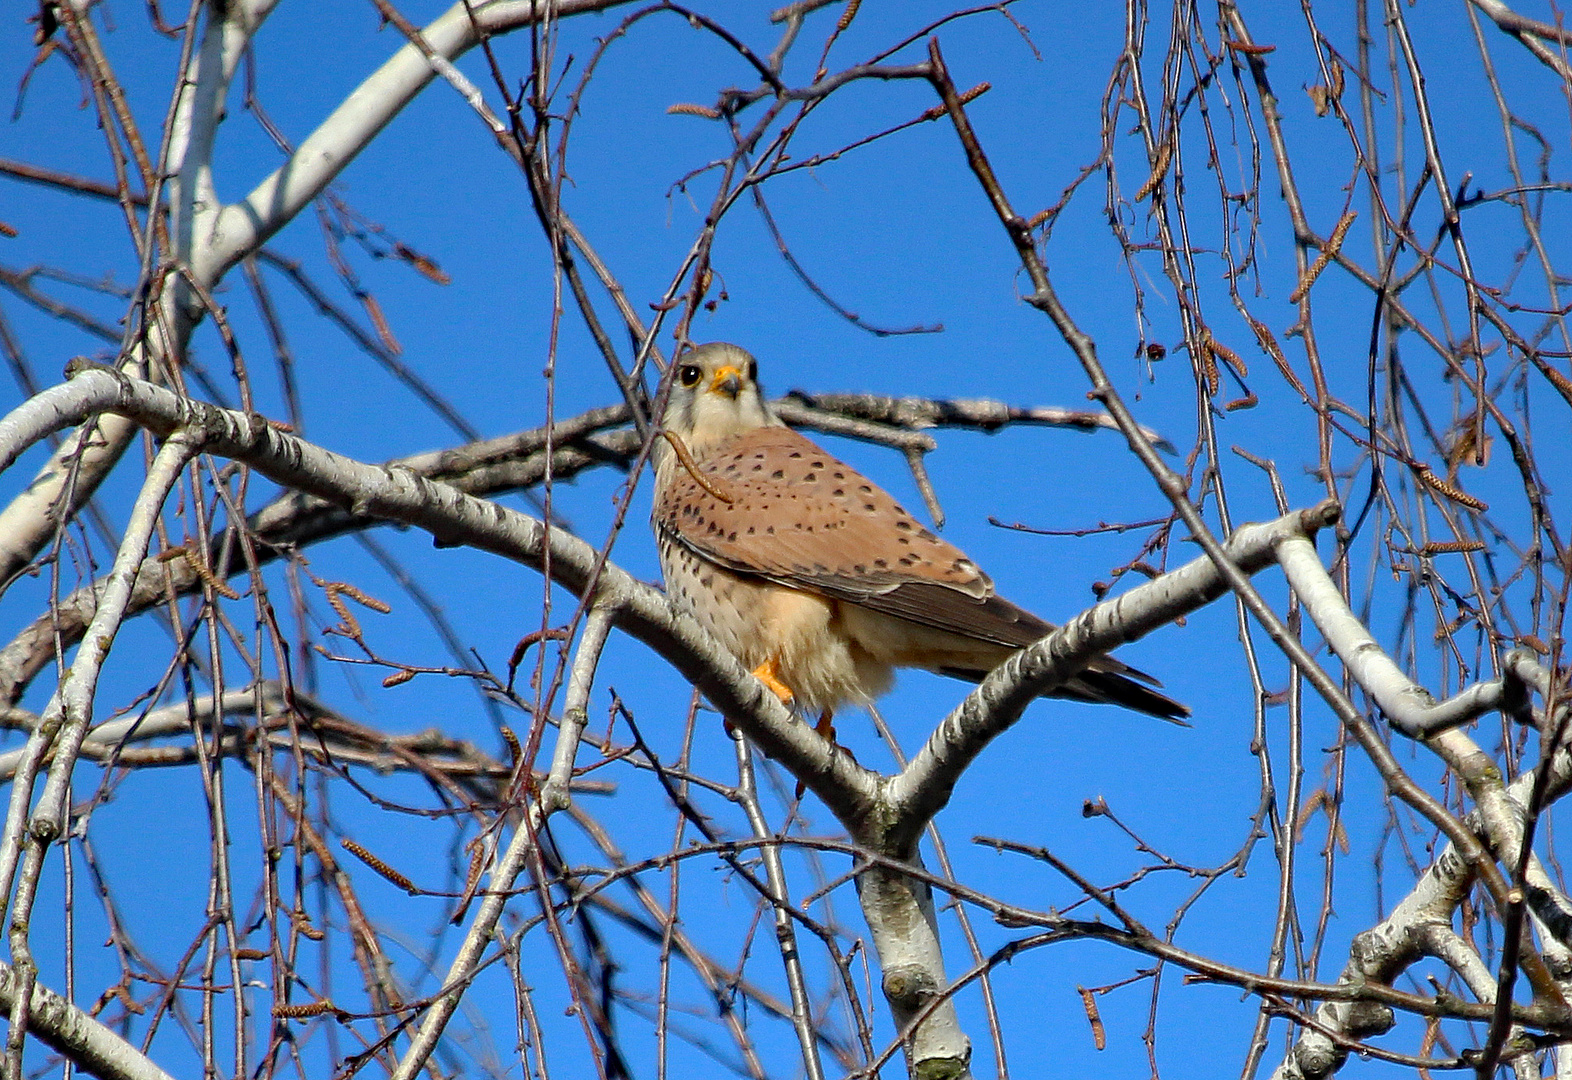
899 232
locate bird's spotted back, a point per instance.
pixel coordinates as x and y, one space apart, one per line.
798 513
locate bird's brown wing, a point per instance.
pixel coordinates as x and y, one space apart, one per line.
793 514
799 517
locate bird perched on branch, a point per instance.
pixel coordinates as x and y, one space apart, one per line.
812 575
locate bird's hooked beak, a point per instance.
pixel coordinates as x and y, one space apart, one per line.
728 381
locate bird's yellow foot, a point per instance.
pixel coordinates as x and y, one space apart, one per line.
769 673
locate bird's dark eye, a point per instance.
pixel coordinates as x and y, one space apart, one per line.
753 371
689 374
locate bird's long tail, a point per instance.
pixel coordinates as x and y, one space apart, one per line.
1109 682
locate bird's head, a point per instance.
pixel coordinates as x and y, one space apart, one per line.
714 395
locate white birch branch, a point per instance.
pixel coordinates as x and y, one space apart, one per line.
488 467
466 962
1417 926
75 469
60 731
780 907
575 707
398 495
1408 706
1412 710
923 788
89 1045
176 719
1547 43
242 227
905 930
210 238
63 723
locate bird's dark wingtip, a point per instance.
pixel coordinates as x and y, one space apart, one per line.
1117 688
1107 688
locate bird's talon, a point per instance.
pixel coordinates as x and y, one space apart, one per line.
826 730
769 674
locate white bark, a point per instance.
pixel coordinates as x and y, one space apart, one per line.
885 817
882 815
575 707
243 227
60 731
802 1016
65 720
79 465
210 238
1421 923
905 932
175 719
89 1044
1408 706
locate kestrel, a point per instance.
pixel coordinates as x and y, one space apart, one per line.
812 575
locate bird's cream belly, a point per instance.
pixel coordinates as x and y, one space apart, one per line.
758 622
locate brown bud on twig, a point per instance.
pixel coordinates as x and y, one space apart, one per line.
1558 380
966 99
1208 363
477 863
199 569
379 323
359 597
424 265
1227 356
210 579
1451 547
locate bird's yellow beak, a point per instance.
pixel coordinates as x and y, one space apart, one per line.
728 381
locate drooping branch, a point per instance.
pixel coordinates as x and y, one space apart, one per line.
209 238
